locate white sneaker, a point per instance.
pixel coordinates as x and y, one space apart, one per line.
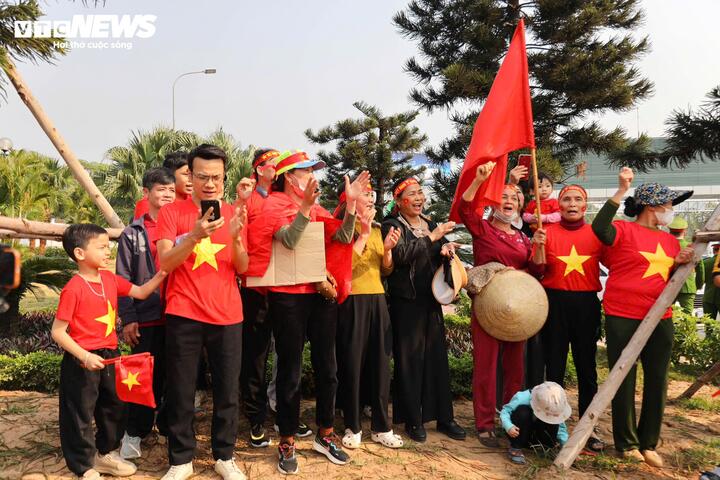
179 472
91 474
130 447
228 470
112 464
352 440
388 439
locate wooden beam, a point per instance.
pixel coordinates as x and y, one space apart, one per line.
706 237
52 231
607 390
704 379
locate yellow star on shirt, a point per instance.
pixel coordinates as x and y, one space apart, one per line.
108 319
659 263
205 253
574 262
131 380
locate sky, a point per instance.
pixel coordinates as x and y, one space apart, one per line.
284 66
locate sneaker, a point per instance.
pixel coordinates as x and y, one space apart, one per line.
91 474
113 464
258 439
229 470
352 440
287 462
327 445
130 447
302 431
179 472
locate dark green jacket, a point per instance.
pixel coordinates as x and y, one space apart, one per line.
711 295
692 282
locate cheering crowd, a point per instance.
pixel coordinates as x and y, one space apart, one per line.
184 294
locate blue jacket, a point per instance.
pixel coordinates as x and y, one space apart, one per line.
523 398
136 264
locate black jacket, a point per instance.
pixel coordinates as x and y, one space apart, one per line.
135 263
409 254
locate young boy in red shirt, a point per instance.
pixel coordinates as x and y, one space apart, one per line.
88 306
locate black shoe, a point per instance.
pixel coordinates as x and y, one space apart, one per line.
303 431
258 439
328 446
452 430
416 432
287 462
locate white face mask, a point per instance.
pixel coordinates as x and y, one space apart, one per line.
502 217
666 217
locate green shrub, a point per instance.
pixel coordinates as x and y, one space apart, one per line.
39 371
458 334
689 350
461 370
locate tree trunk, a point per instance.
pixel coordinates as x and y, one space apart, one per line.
702 380
43 246
63 149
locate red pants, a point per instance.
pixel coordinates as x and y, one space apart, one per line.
485 356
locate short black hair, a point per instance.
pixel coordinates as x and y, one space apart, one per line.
78 235
632 208
544 176
158 176
278 184
207 151
175 160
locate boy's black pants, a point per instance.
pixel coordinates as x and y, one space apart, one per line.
184 340
86 395
533 431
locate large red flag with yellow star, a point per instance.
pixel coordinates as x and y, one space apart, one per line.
134 379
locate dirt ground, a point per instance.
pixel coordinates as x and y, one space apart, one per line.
29 449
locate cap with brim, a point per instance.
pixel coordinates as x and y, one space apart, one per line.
290 160
678 223
653 194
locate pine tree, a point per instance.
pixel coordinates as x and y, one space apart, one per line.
382 145
580 55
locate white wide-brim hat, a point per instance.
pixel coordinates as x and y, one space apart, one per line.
549 403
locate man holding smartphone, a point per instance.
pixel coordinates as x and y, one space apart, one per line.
203 309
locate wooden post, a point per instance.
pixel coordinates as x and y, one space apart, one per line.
63 149
540 251
704 379
607 390
21 228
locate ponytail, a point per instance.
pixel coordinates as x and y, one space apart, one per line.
632 208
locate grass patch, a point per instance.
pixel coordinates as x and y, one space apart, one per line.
16 408
703 404
605 463
31 304
699 457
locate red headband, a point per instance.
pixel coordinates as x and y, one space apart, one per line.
577 188
269 155
403 185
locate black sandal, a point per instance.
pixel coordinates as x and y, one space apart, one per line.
489 440
594 444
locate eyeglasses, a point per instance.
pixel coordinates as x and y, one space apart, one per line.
205 178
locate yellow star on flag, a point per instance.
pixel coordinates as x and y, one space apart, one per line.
659 263
573 262
205 253
131 380
108 319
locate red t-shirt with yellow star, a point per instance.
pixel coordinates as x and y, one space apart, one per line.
640 262
573 258
204 286
90 309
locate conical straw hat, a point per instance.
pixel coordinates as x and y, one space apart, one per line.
512 307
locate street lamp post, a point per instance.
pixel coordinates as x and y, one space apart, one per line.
207 71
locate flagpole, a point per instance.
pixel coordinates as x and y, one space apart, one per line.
540 251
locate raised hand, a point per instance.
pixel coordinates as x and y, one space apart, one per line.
483 171
311 193
204 227
244 188
441 230
518 173
392 238
625 178
238 221
355 189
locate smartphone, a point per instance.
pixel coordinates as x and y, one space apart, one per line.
205 206
9 267
525 160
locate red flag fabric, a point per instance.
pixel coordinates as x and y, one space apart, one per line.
505 124
338 258
134 379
